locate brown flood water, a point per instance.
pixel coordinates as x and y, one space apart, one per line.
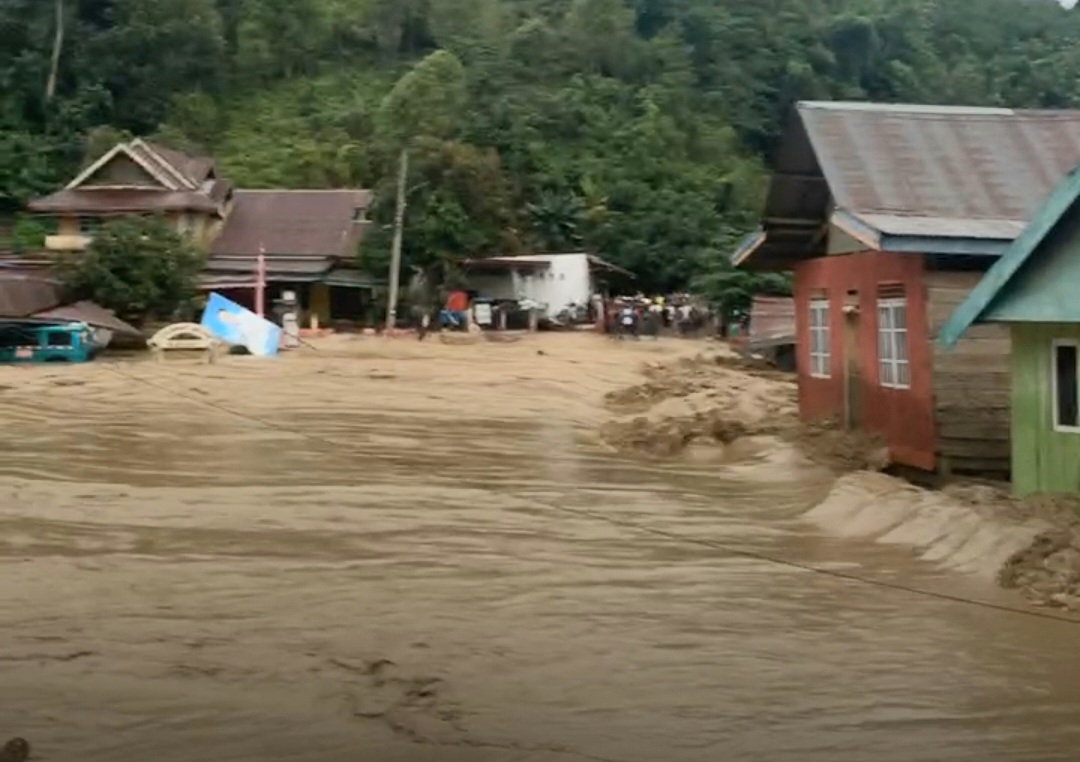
432 576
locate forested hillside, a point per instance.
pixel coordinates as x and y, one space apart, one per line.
637 128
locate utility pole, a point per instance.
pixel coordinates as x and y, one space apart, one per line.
395 257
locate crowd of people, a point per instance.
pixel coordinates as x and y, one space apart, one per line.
636 316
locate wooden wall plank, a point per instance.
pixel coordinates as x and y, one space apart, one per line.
971 381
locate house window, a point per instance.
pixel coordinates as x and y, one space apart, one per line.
90 226
894 371
819 338
1066 389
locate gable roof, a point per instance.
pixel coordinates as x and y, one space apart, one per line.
194 169
148 163
174 170
186 183
291 223
927 179
982 297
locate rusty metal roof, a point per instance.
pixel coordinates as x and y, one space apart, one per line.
278 269
194 168
89 313
949 179
294 223
772 321
958 163
23 294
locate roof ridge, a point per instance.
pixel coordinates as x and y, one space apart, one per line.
179 174
935 111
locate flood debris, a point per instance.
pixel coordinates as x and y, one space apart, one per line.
718 398
15 750
1048 571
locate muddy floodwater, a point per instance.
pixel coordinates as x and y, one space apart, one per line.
391 551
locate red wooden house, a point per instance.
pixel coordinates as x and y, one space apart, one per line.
888 215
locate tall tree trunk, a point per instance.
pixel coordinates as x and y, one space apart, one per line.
58 45
399 229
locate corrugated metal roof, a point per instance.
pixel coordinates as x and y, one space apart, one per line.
122 201
293 222
510 263
772 321
21 295
194 168
217 282
602 264
283 264
957 165
945 227
242 269
928 179
91 314
348 278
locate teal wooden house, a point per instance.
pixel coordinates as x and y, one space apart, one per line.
1034 288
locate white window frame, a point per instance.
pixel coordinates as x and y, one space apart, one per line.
821 359
1054 383
890 336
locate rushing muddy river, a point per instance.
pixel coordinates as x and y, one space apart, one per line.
414 552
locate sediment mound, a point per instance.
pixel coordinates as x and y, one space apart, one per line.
1030 545
696 399
961 535
718 398
1048 570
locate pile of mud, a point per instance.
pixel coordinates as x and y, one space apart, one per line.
1048 570
718 398
967 536
699 399
1032 545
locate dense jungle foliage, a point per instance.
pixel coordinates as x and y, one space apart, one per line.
640 129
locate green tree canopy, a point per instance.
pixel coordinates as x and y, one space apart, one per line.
138 267
427 101
640 129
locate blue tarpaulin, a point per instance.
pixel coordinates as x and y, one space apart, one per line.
232 323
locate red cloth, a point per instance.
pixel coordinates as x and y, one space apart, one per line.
458 301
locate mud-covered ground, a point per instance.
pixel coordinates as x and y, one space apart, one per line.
714 399
426 552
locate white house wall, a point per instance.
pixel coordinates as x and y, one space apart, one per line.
566 281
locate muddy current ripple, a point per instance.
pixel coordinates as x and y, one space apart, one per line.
432 577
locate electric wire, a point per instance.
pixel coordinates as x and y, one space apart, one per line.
645 529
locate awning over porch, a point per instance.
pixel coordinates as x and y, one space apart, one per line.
240 272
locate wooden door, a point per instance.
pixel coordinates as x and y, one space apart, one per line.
853 403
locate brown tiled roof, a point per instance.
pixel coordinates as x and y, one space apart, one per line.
119 201
283 223
22 294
